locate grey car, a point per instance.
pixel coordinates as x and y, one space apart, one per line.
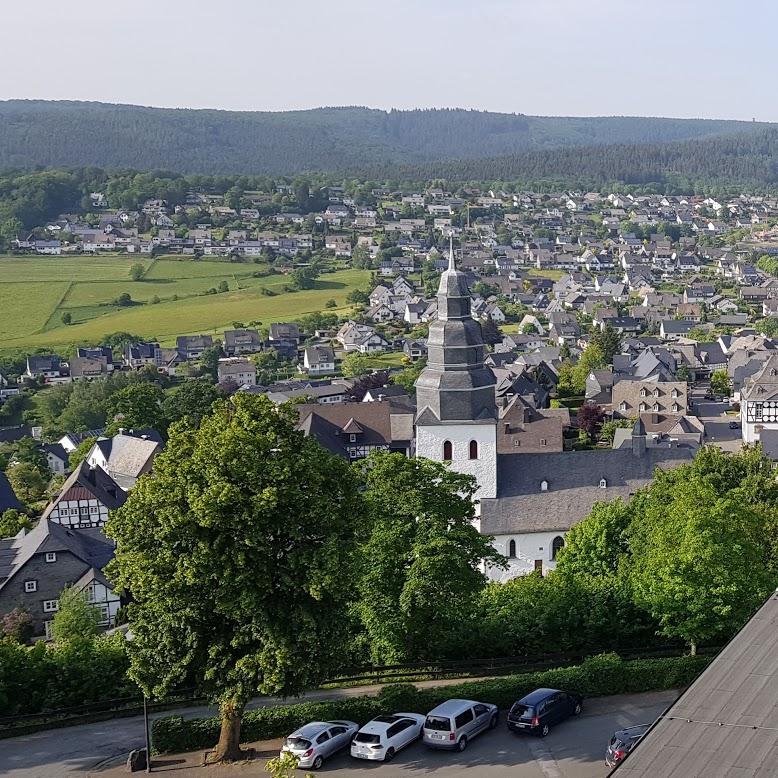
622 742
454 723
318 740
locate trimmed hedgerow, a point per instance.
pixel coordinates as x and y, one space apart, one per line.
600 675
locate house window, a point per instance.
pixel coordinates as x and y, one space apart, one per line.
51 556
50 606
656 406
623 407
516 442
473 449
603 483
47 625
642 407
557 543
544 486
656 392
512 549
643 392
30 586
103 614
542 441
447 451
352 438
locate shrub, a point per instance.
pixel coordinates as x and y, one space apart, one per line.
599 675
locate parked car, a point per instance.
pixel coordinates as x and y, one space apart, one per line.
622 742
540 710
381 738
733 425
318 740
454 723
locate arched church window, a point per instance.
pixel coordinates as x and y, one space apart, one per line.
556 544
473 449
447 451
512 549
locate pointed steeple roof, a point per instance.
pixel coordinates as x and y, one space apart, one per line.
455 386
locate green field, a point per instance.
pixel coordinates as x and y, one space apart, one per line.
36 291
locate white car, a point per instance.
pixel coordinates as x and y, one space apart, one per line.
381 738
315 742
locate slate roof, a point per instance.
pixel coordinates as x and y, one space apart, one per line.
573 486
126 456
8 498
86 482
89 545
375 424
726 723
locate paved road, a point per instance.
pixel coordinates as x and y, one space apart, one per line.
573 750
712 415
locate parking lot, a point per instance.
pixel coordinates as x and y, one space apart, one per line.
574 749
714 416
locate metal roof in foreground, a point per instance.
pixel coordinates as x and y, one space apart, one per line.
726 722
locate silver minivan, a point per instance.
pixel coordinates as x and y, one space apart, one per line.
456 722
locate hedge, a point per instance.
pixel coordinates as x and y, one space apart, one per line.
599 675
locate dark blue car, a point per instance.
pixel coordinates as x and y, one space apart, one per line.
542 709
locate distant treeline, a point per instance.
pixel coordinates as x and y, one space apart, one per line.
80 134
747 160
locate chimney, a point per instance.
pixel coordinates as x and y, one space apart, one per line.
639 439
121 430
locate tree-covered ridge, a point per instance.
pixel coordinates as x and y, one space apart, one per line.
746 159
76 134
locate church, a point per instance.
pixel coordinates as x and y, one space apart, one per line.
526 501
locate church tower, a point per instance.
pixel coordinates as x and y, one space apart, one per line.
456 420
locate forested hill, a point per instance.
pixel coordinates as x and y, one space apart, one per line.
77 134
748 160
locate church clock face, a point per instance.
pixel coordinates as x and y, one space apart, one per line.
762 411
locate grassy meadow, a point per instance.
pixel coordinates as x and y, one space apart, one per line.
36 291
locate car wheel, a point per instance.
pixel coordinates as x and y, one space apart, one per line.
544 730
462 744
578 709
493 722
318 762
389 755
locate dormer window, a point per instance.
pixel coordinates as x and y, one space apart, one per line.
674 393
656 392
603 483
643 392
676 407
656 407
642 407
623 406
544 486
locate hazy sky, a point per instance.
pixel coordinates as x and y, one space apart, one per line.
706 58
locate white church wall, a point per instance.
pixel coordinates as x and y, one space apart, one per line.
430 441
529 547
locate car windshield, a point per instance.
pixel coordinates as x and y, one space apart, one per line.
522 711
365 737
298 743
439 723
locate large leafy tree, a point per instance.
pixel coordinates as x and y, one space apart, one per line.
701 568
138 406
422 558
193 399
238 555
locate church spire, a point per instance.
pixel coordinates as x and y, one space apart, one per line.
455 386
451 264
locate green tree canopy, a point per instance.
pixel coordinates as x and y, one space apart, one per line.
76 618
238 554
78 455
193 398
136 407
421 561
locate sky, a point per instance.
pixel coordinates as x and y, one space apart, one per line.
684 58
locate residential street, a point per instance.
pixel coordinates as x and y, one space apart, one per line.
573 750
713 415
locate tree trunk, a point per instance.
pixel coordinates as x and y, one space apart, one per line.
229 749
693 648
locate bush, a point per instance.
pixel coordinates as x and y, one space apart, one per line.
599 675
